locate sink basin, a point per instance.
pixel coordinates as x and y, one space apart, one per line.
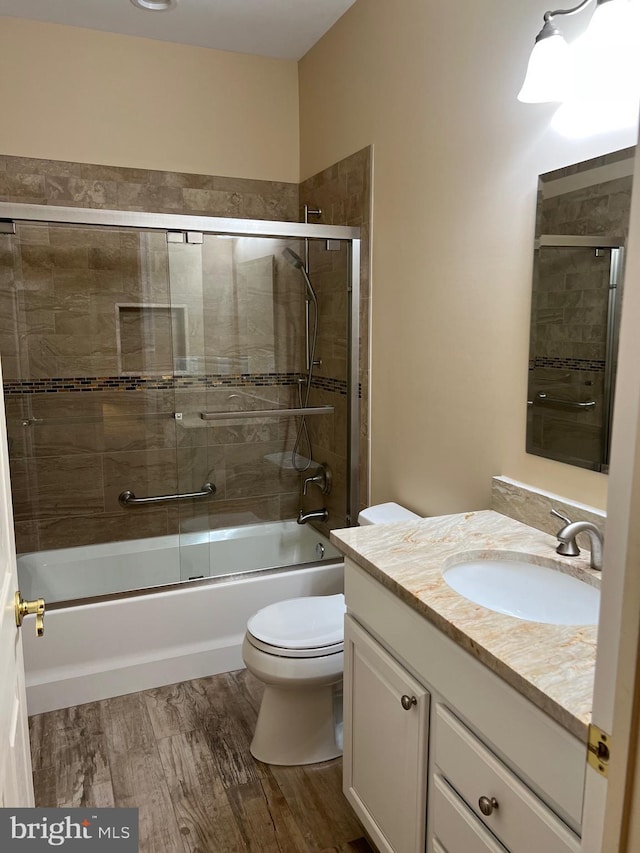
525 590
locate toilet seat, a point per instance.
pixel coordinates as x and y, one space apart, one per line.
300 627
283 652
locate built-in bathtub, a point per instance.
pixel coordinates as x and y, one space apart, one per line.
166 627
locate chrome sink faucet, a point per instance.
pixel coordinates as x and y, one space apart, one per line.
566 536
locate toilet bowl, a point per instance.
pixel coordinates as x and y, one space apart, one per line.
296 648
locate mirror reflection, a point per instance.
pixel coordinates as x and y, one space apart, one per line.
582 223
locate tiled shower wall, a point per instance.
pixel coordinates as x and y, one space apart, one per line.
343 194
569 312
80 432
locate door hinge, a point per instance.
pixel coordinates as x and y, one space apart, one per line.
598 750
7 226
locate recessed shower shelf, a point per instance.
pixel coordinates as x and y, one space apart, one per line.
268 413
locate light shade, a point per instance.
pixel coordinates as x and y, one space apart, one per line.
605 93
548 73
610 22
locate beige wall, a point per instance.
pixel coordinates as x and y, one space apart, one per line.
94 97
456 157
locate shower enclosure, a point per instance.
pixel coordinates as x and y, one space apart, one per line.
167 419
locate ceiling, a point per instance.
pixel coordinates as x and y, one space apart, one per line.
285 29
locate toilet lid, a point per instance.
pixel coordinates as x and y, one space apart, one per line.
301 623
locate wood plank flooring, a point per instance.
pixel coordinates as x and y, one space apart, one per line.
181 755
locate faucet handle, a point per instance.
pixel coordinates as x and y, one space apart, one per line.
322 479
569 548
560 516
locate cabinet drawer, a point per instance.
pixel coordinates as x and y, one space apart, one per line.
521 821
455 827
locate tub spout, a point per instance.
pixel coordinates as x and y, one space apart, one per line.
313 515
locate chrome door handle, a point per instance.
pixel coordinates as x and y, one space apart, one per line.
30 608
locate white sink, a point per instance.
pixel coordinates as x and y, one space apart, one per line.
523 589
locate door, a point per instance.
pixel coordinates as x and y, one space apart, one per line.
610 819
16 785
385 744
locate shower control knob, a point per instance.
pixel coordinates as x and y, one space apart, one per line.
408 702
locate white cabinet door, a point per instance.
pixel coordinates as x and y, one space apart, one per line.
386 719
16 786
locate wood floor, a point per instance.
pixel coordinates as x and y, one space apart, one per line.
181 755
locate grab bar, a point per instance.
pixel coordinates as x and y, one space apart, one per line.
267 413
556 401
127 498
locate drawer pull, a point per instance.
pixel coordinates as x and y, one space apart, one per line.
408 702
487 806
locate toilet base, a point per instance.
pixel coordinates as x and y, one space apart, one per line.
296 726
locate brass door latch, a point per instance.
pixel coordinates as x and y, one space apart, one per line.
599 750
30 608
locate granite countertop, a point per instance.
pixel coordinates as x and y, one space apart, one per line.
552 665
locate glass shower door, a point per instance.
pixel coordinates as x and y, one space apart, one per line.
87 344
237 398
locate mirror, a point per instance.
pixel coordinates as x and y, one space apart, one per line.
582 223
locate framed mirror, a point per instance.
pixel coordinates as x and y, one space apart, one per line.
582 224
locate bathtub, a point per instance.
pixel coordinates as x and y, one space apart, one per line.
68 574
156 634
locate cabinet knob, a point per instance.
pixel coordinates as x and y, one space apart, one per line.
487 805
408 701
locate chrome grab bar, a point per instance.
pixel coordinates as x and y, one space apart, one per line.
557 401
127 498
267 413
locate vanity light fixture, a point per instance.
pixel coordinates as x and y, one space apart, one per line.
155 5
549 73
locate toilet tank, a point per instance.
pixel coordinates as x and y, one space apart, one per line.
386 513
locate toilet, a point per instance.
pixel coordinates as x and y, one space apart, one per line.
296 648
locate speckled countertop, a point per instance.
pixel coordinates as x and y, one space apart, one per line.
552 665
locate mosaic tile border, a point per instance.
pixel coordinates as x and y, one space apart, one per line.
57 385
586 364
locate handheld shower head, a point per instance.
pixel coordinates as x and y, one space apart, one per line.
296 261
293 258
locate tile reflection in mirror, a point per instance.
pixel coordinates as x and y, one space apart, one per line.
582 223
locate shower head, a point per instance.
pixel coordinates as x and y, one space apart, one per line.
292 258
296 261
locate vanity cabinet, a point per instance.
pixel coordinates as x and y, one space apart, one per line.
386 713
471 766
